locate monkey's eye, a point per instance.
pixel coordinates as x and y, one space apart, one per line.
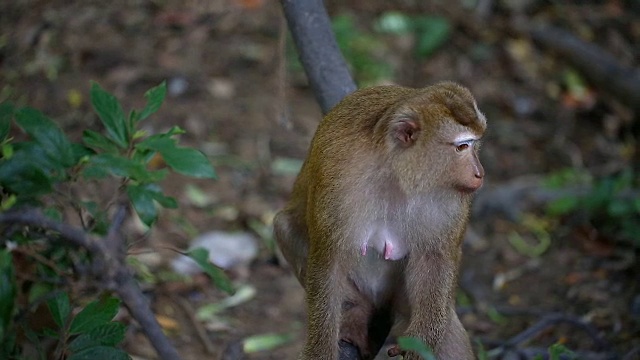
463 145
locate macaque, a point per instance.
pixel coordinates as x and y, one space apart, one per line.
374 226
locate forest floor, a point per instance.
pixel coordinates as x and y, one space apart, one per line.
253 116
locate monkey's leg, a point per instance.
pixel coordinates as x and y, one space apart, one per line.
363 326
291 236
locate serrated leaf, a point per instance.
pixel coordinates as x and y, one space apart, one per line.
95 314
110 113
45 132
110 334
98 141
220 279
81 342
100 353
416 345
155 97
60 308
142 201
186 161
6 114
432 32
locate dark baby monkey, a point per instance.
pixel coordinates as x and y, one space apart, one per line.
374 226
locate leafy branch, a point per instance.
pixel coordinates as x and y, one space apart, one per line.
37 178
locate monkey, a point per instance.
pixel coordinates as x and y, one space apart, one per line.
376 218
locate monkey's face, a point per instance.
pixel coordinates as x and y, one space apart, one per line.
446 160
466 171
436 139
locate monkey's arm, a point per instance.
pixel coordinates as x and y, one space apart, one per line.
323 304
432 301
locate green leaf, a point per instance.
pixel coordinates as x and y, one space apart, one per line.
110 334
6 114
185 161
620 208
201 257
432 32
142 197
156 193
60 308
394 22
82 342
557 350
155 97
98 141
264 342
24 178
95 314
209 311
111 114
102 165
562 206
100 353
45 132
189 162
142 201
416 345
7 291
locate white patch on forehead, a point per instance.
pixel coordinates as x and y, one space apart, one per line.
481 116
465 136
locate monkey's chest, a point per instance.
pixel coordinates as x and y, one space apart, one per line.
375 277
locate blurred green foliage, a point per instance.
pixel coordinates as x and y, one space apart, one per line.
367 50
611 204
364 52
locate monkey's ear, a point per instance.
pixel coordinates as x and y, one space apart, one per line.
405 131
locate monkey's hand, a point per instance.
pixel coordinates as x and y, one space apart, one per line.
395 351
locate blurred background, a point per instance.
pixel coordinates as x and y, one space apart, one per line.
555 231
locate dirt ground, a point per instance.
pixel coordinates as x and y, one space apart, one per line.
222 62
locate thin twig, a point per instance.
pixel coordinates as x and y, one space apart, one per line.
200 330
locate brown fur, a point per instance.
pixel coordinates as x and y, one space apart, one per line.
374 226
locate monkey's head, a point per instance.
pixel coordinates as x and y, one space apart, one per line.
433 139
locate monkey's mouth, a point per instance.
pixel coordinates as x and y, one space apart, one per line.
468 189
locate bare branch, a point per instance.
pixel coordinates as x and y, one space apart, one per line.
325 66
604 70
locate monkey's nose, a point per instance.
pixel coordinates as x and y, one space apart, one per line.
479 172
